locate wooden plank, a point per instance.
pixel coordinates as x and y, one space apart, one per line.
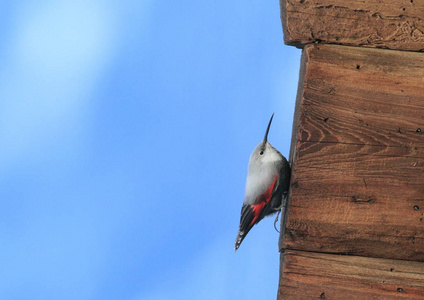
394 24
358 154
306 275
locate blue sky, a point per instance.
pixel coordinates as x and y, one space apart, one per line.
126 129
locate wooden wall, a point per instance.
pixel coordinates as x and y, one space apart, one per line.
354 227
391 24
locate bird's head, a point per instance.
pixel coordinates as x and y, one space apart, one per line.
265 152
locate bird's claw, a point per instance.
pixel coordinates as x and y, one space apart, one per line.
276 220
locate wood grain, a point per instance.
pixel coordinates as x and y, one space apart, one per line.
393 24
358 154
308 275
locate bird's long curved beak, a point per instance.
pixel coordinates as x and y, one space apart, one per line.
267 129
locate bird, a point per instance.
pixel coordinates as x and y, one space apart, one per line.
267 185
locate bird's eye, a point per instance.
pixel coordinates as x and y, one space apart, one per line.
262 152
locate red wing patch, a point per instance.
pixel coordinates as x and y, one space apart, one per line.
263 200
257 209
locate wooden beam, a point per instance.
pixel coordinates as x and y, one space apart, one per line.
307 275
394 24
358 154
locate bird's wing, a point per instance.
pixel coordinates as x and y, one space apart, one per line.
251 214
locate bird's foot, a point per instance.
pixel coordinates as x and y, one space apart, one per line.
276 220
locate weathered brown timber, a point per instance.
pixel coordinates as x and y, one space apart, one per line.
393 24
307 275
358 154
